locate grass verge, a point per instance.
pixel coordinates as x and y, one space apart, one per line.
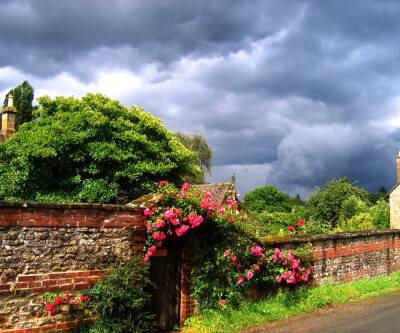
288 303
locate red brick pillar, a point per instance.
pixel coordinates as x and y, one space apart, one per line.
188 305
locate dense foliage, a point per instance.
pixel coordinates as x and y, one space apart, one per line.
23 98
90 150
226 260
267 198
340 206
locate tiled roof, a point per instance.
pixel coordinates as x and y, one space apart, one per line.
219 191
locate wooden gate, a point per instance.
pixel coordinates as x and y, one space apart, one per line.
165 273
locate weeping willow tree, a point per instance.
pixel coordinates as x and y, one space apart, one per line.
197 144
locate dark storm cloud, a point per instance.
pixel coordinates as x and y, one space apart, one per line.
295 92
47 37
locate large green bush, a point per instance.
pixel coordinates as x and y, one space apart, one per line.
267 198
326 204
90 150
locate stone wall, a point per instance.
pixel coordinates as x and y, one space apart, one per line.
46 247
347 256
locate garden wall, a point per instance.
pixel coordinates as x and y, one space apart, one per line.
58 248
347 256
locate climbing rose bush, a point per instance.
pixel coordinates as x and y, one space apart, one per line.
179 211
227 260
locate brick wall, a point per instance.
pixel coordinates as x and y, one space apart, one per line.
47 247
347 256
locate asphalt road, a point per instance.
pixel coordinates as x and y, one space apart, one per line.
374 315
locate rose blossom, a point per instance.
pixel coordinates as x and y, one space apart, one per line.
180 231
147 212
186 187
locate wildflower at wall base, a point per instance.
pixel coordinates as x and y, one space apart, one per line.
52 306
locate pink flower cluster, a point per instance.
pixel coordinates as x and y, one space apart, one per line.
172 220
52 307
294 273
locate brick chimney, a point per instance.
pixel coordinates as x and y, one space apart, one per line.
8 119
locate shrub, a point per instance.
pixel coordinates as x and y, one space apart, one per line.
361 221
381 214
120 299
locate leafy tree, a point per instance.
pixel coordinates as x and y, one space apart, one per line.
296 201
197 144
375 197
23 98
267 198
326 204
352 206
90 150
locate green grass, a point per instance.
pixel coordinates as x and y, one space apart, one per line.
288 303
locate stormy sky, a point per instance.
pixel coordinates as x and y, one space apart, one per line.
286 93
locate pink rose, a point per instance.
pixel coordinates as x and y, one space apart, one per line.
169 214
223 302
175 222
250 274
50 307
180 231
300 222
186 187
257 250
226 253
240 280
147 212
291 228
